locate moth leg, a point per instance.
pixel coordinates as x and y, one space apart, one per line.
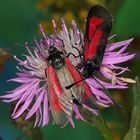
78 51
46 72
75 101
79 66
73 55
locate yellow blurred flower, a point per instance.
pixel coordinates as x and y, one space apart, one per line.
83 13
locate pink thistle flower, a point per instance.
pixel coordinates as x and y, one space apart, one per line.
32 94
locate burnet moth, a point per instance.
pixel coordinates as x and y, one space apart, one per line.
60 72
98 27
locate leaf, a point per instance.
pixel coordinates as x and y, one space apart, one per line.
134 131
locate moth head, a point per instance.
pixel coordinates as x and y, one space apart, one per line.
51 49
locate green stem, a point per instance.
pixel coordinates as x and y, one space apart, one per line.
134 130
98 122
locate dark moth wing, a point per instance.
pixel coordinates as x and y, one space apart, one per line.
60 103
98 27
86 94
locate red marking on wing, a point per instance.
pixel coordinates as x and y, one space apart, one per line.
93 45
76 76
93 37
93 24
88 91
54 100
86 49
87 97
98 27
53 83
72 70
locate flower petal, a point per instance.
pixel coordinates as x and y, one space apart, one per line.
45 110
36 105
114 46
116 60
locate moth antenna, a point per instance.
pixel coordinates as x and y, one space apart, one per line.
112 36
18 44
71 85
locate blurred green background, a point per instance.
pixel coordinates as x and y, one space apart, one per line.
19 22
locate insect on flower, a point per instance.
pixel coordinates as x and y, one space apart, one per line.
98 27
60 72
52 81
